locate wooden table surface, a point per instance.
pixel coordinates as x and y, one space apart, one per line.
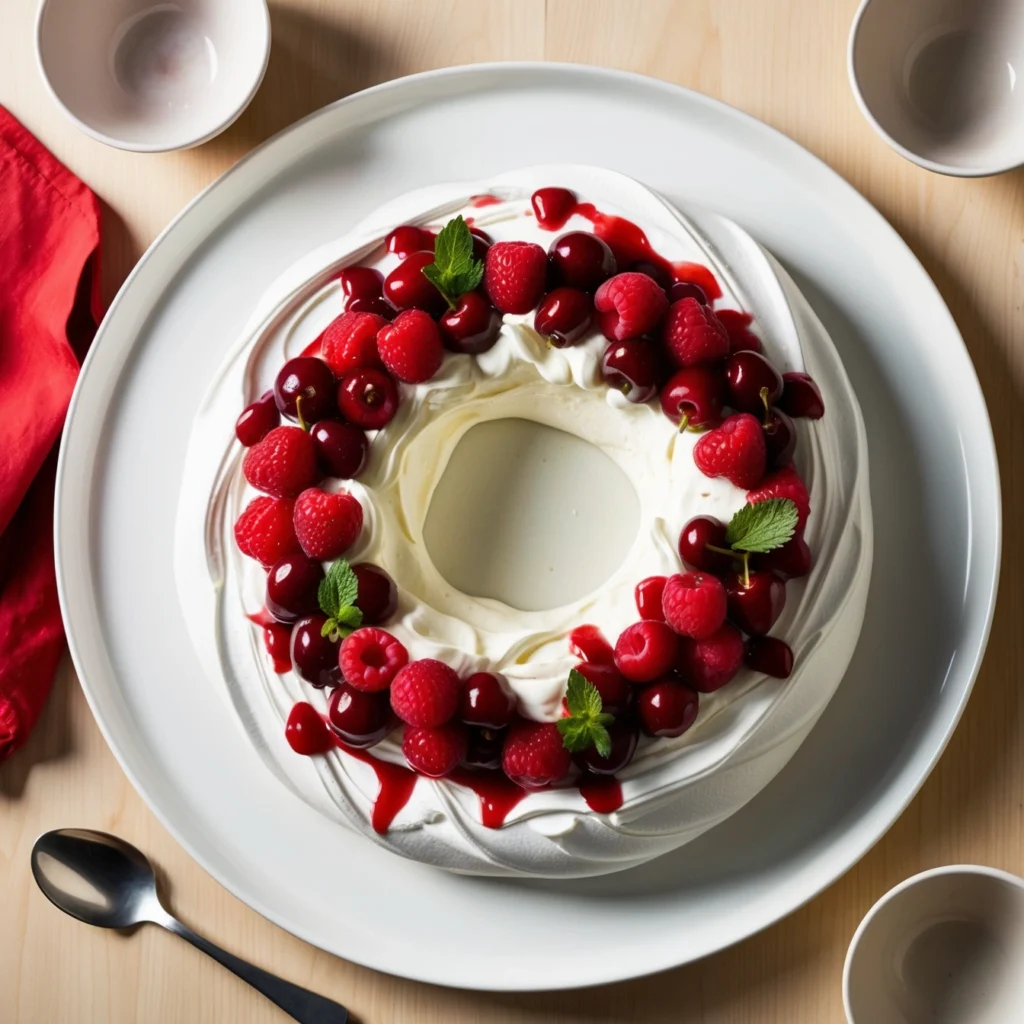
780 60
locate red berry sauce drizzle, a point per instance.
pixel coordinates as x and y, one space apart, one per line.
485 200
276 639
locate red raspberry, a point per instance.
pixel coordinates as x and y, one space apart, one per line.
264 530
735 450
327 525
411 346
350 341
708 664
426 693
534 756
645 651
648 597
694 604
434 752
630 304
370 658
785 483
693 334
514 275
283 463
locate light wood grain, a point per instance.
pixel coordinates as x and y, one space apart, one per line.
781 60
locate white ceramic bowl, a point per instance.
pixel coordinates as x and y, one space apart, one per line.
148 76
938 80
943 947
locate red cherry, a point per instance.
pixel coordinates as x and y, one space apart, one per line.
361 719
801 396
377 596
341 448
771 656
563 316
305 384
581 260
360 283
407 239
589 644
485 702
696 392
653 271
481 242
790 561
648 597
292 585
624 735
258 420
615 689
375 304
553 207
632 367
755 604
407 288
779 438
305 730
314 655
667 707
686 290
746 375
483 751
368 398
694 539
472 326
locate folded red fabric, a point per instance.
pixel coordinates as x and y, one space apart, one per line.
49 309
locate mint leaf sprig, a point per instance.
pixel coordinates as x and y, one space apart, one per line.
586 724
455 269
757 529
337 596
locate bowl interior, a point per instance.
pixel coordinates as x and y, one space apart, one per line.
943 949
150 75
939 78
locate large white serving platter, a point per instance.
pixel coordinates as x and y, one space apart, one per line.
934 483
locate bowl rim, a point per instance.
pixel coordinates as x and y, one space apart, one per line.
981 870
186 142
952 170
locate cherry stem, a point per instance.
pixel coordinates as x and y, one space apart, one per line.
767 408
298 414
684 421
745 555
722 551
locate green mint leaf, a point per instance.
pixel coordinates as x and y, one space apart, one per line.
338 589
581 695
455 269
350 616
586 725
329 627
762 527
602 740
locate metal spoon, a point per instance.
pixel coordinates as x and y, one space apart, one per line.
103 880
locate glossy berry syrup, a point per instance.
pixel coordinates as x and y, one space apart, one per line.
602 793
276 638
497 792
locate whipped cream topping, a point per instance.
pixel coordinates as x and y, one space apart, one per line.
673 789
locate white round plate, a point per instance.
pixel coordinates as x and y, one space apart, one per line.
936 504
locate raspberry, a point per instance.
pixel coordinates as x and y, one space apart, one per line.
693 334
514 274
283 463
694 604
648 597
426 693
645 651
534 756
630 305
370 658
735 450
411 347
434 752
264 530
708 664
785 483
350 341
327 525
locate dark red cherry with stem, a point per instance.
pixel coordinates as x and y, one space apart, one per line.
472 326
653 271
624 733
697 541
258 420
485 702
481 242
407 239
693 397
292 585
789 562
553 207
305 731
360 719
305 384
755 602
667 707
483 750
779 438
341 448
581 260
373 304
771 656
315 656
746 374
801 396
616 690
632 367
377 596
368 398
563 316
686 290
648 595
406 287
360 283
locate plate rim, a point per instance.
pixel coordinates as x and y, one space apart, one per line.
858 846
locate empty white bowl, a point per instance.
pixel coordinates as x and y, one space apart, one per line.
940 81
148 76
943 947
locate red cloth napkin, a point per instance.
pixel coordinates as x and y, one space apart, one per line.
49 309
